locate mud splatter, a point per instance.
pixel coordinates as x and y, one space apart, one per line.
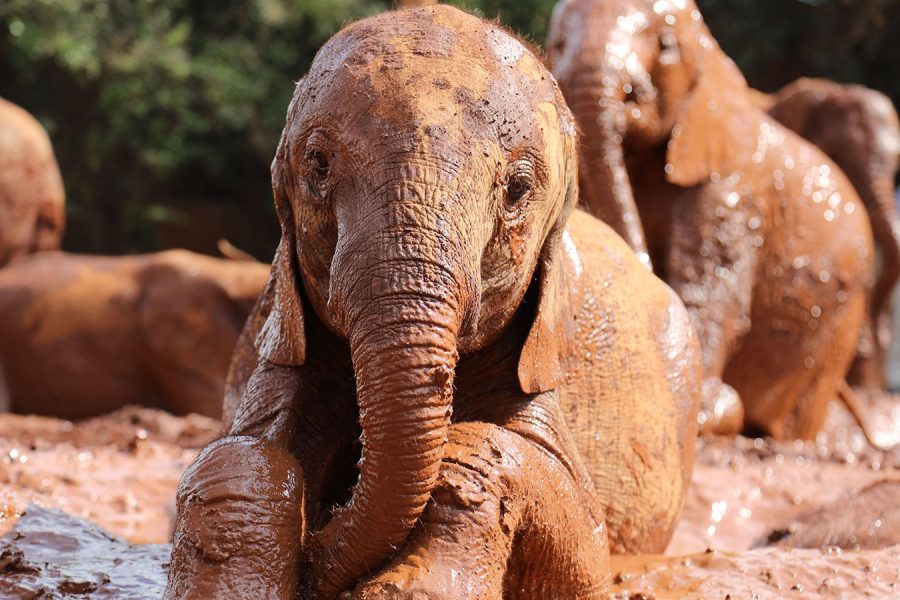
120 470
50 554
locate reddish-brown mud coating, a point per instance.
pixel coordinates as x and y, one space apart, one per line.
759 233
32 198
84 335
858 128
454 378
121 471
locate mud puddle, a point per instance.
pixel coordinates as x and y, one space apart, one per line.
120 471
747 493
50 554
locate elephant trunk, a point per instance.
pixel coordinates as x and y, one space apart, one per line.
878 196
603 178
403 318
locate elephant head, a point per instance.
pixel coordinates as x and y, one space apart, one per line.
641 75
422 183
32 199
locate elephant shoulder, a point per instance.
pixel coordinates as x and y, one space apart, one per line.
594 248
606 273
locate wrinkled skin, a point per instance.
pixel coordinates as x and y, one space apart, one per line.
513 377
758 232
858 129
868 519
83 335
32 198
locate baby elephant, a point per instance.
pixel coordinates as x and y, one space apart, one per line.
84 335
759 233
32 199
858 129
449 380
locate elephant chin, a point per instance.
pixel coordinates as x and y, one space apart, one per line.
404 357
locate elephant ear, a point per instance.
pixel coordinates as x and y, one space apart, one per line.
542 361
282 338
715 125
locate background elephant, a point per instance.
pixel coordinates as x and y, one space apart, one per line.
868 518
32 199
858 128
513 376
84 335
759 233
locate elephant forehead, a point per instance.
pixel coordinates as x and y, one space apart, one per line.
428 68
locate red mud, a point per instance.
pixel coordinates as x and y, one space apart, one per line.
121 471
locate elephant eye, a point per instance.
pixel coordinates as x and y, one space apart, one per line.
319 163
318 169
517 187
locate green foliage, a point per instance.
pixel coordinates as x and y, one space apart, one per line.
777 41
528 18
153 100
157 105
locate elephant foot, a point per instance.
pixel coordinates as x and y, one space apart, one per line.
721 410
497 528
238 530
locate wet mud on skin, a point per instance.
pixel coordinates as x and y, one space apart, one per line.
744 493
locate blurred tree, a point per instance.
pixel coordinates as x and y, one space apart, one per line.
528 18
777 41
149 101
165 113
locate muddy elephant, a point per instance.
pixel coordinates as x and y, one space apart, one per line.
867 518
32 199
758 232
84 335
858 128
449 380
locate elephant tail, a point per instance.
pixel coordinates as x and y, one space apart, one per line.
232 252
880 429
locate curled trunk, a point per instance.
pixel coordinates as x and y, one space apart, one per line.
403 344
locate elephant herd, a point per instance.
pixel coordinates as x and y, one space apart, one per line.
503 302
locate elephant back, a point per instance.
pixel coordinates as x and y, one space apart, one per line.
32 198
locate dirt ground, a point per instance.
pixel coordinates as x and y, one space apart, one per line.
120 472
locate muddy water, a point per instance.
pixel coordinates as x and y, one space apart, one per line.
746 490
121 471
54 555
743 489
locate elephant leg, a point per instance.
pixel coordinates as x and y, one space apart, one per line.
5 395
710 264
240 523
506 520
868 369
